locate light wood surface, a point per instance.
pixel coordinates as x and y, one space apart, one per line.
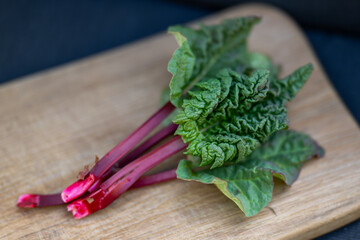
54 122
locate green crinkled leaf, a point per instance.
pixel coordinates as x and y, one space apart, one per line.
218 119
284 153
250 189
225 118
286 89
204 52
250 184
229 99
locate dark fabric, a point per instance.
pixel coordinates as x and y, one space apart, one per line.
36 35
39 34
340 56
339 15
349 232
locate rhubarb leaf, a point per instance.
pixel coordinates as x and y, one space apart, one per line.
228 100
284 153
225 118
284 90
204 52
250 184
214 121
250 189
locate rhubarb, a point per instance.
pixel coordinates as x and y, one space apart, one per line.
46 200
134 154
36 200
123 179
230 117
155 178
106 162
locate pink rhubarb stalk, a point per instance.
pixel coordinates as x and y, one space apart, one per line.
134 154
79 187
146 145
124 179
45 200
155 178
37 200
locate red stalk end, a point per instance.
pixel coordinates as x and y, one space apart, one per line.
77 189
28 201
85 206
78 210
38 200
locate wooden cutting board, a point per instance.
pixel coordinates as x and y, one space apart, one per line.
54 122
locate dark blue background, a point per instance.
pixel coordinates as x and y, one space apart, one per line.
35 35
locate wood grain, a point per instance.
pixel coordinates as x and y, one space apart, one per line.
54 122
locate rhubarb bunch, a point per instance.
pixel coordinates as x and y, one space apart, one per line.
230 116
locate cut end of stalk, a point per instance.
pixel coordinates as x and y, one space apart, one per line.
83 207
28 201
77 189
78 209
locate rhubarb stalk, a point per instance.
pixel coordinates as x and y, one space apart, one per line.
124 179
38 200
155 178
78 188
46 200
134 154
